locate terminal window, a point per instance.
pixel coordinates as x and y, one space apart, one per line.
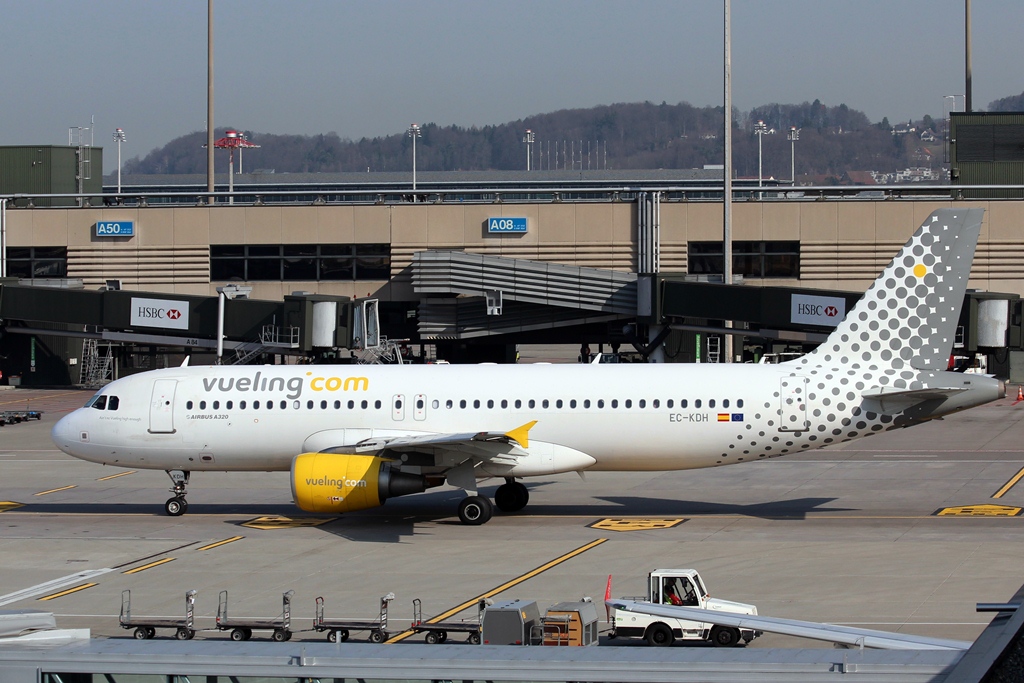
749 258
308 262
37 262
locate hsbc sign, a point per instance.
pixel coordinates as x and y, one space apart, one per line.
827 311
163 313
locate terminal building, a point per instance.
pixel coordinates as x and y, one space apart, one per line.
468 266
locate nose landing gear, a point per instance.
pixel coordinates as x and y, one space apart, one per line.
177 506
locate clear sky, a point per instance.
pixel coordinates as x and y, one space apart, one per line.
364 68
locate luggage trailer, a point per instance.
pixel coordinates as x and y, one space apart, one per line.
241 629
16 416
437 631
145 627
339 631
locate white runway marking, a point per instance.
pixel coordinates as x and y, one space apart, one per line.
51 586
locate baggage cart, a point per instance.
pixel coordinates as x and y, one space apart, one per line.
339 630
437 631
241 629
145 627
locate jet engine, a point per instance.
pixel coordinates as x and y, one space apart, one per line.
336 483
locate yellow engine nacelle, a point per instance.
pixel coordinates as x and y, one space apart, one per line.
336 483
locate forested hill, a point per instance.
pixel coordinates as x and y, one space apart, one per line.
833 140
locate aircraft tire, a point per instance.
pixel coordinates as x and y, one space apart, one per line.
511 497
475 510
175 507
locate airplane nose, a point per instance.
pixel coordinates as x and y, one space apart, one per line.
64 433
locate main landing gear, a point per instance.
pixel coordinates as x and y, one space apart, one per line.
177 506
512 496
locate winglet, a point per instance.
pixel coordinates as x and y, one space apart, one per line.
521 435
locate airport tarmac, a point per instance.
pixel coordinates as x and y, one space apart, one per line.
904 531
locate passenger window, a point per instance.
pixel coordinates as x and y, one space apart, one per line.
323 405
572 403
504 403
202 405
600 403
398 404
696 404
476 403
419 404
188 405
615 403
711 403
376 404
586 403
351 405
449 404
654 404
725 403
229 404
739 403
365 405
532 403
112 403
544 403
298 404
669 403
241 405
435 404
682 404
256 405
216 405
337 405
558 403
519 403
462 403
629 403
284 404
270 405
490 403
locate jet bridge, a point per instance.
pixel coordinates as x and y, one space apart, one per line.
133 328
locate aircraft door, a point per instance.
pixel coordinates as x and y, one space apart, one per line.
398 407
793 396
161 407
419 405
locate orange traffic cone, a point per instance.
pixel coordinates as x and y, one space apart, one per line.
1020 393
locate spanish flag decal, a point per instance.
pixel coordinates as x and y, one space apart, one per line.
723 417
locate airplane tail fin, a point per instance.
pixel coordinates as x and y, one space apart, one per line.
908 317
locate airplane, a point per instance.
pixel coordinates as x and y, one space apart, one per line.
353 436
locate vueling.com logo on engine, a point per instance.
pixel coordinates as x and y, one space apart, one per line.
337 483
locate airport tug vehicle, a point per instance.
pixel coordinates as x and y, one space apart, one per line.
684 588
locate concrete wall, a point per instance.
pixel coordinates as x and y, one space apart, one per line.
844 243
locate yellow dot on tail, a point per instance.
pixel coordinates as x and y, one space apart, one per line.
920 270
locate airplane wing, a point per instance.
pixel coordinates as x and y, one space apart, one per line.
448 450
841 635
894 400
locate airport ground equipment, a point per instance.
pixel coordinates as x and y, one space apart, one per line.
437 632
512 622
571 623
241 629
684 588
16 416
145 627
339 631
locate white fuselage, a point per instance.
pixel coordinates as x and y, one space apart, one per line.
625 417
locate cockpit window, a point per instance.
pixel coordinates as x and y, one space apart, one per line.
92 399
100 402
113 402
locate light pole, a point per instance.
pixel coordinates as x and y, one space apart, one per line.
414 132
528 139
793 136
119 138
759 129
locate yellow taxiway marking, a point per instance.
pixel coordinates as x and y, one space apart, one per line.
1010 484
62 488
980 511
220 543
37 398
80 587
277 522
149 566
635 523
6 505
504 587
115 476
